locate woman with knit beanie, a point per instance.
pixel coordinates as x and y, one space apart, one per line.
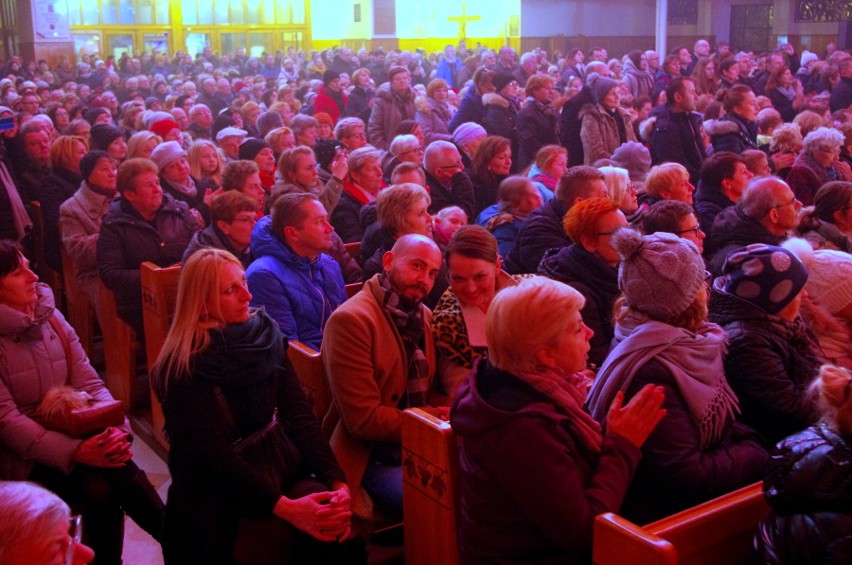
521 409
662 337
605 127
772 355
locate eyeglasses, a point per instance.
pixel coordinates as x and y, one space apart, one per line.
696 229
75 531
793 201
457 165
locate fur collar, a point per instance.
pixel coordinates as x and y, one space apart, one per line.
494 99
720 127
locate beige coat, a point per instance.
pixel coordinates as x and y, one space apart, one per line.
364 361
79 226
599 133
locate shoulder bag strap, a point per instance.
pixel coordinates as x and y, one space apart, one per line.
66 345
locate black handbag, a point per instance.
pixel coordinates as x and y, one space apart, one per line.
269 450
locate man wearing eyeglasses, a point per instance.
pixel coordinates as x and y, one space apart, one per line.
766 213
446 180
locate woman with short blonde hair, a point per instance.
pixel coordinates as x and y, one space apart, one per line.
142 144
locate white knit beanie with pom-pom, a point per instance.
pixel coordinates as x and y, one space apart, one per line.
830 274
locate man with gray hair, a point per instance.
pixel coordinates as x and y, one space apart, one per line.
210 97
446 179
528 67
653 59
766 213
201 122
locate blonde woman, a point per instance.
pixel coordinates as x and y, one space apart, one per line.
206 163
223 377
142 144
620 189
60 185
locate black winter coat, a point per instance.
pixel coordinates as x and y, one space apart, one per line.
58 187
709 203
676 138
126 241
501 118
733 229
537 126
358 104
808 489
770 364
570 124
841 94
346 218
596 281
195 202
542 231
732 133
461 194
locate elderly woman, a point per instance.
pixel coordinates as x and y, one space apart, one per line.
41 352
669 181
605 127
736 131
177 181
458 321
521 409
298 170
141 144
433 112
280 139
404 148
517 198
34 527
662 337
621 190
350 132
550 164
229 395
401 210
810 519
817 164
829 224
206 163
60 185
143 225
361 188
538 120
590 266
772 355
330 98
80 219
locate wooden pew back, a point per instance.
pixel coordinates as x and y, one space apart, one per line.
430 489
81 314
120 347
717 531
309 369
159 297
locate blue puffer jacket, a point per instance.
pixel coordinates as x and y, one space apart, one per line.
298 294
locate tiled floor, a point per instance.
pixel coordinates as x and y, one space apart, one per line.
139 547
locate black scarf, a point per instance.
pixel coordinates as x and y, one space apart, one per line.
408 319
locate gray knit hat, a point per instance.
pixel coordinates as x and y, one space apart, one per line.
659 274
165 153
602 87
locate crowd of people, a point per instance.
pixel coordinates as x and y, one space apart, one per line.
625 282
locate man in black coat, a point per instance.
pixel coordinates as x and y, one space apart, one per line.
676 136
447 181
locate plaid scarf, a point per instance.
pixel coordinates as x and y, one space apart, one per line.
407 317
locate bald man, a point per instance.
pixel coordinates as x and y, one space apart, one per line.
379 356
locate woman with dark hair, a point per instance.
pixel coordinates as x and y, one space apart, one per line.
829 224
669 69
785 92
521 408
491 164
736 131
705 77
229 394
662 337
41 352
330 98
637 78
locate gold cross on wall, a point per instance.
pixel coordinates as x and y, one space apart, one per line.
462 20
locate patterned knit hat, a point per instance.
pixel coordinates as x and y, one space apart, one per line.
165 153
659 274
765 276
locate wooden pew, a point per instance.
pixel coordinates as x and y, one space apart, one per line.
717 531
354 250
40 266
353 289
159 297
120 348
430 489
81 314
309 369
